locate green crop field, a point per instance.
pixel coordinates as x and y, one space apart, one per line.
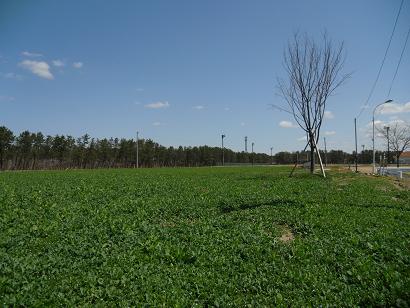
202 236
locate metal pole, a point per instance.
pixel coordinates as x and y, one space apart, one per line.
223 154
324 138
137 151
374 153
355 140
253 154
246 144
271 157
388 145
363 160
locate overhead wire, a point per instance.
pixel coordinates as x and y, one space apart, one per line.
398 64
382 64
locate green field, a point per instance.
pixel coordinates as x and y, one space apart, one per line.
202 236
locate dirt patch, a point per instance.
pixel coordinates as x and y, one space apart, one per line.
402 184
287 234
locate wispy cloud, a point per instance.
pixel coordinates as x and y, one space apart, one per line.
242 123
39 68
157 123
31 54
11 76
393 108
157 105
227 108
139 89
198 107
304 138
78 64
330 133
58 63
328 115
286 124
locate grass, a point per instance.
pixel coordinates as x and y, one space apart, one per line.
205 236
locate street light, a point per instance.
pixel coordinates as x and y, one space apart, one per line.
223 155
271 157
374 153
388 144
253 155
137 150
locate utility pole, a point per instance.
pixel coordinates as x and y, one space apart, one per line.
388 145
324 139
271 156
363 160
223 154
253 155
246 144
374 152
137 151
355 140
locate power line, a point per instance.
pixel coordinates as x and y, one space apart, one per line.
398 64
384 59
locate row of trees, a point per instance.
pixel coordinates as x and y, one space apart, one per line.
35 151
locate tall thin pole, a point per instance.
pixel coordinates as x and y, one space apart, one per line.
388 145
246 144
363 160
324 139
355 140
374 153
253 155
271 156
223 154
137 151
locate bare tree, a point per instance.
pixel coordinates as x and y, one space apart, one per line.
314 73
398 137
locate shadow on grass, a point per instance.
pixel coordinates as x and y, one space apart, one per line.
238 205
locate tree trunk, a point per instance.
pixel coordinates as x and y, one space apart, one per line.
397 159
312 158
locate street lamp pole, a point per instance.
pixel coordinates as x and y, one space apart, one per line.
137 151
253 154
223 154
388 145
374 153
271 157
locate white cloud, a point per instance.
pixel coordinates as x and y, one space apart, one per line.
39 68
139 89
137 103
31 54
242 123
58 63
330 133
198 107
227 109
380 125
286 124
304 138
156 123
328 115
78 64
157 105
11 76
392 108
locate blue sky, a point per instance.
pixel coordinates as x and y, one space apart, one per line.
183 72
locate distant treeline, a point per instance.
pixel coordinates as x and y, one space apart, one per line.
35 151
